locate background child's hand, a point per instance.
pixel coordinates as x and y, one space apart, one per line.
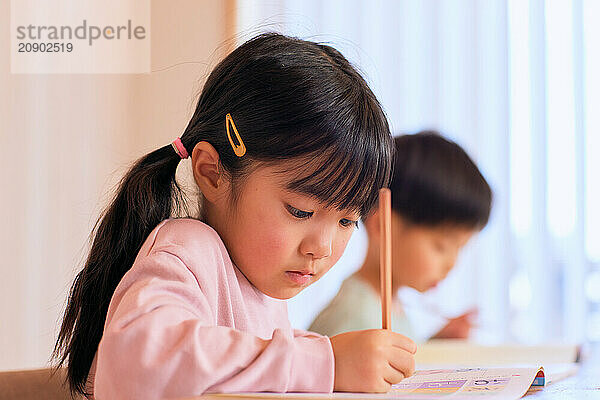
457 328
371 360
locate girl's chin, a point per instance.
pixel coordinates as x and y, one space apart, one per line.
282 293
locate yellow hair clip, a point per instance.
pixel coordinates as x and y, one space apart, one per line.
239 149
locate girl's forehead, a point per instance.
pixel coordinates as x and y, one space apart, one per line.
337 179
272 175
283 177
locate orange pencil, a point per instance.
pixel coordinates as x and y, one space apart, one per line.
385 256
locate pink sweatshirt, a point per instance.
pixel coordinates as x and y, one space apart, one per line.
184 321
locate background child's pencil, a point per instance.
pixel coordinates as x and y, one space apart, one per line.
385 256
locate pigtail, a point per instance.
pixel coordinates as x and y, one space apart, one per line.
147 195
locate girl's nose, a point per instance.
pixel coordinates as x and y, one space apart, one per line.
317 246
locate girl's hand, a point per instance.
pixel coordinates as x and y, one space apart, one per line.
457 328
371 360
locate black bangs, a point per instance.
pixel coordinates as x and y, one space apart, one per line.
345 180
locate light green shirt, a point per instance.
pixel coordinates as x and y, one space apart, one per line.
357 306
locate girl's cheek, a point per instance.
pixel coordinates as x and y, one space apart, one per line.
337 251
339 246
273 233
267 244
277 241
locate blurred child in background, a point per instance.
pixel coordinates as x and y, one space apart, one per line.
440 201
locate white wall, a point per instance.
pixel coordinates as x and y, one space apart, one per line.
65 141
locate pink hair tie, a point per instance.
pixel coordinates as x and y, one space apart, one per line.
179 148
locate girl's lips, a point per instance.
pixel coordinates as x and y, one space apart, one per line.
299 277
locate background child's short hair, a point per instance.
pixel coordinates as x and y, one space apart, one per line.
435 182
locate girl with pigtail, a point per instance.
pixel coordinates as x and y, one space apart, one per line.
288 148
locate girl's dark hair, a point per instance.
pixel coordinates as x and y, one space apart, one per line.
289 99
436 182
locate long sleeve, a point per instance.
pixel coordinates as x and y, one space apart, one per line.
164 337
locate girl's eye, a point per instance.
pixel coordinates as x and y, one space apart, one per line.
345 222
299 213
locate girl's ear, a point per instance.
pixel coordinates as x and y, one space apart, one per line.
207 173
